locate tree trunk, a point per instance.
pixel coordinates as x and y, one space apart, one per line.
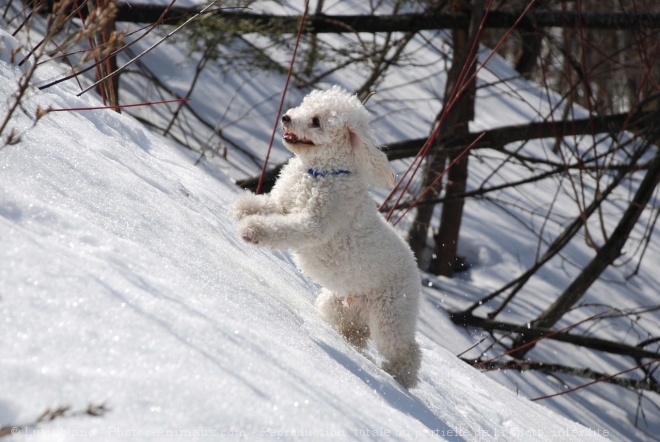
424 213
529 52
446 240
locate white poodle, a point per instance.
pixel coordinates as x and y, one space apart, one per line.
320 210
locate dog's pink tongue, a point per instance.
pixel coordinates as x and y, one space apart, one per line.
290 136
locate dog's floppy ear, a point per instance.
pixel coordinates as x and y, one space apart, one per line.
371 161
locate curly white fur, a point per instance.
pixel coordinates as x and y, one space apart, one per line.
321 211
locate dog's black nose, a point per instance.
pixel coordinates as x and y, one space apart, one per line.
286 118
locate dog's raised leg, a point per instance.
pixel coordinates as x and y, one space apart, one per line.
250 204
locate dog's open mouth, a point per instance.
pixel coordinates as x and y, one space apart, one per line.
292 138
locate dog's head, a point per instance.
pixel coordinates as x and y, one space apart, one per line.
335 124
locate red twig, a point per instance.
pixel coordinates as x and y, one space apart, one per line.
279 109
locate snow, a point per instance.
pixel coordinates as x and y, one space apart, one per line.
123 283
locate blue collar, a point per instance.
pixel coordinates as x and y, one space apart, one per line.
321 173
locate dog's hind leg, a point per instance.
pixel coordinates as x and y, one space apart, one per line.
346 315
394 334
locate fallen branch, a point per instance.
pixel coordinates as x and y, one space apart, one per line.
531 333
501 136
549 368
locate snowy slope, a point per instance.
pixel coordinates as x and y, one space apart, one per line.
123 282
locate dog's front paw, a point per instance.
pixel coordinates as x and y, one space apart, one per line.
251 232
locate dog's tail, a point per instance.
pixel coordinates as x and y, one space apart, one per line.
371 161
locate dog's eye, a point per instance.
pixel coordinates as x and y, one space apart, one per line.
316 122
